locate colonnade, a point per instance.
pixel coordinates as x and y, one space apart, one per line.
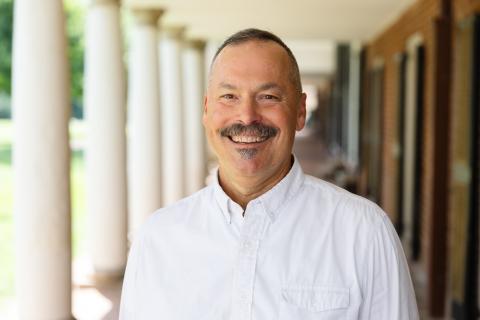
145 145
172 113
41 158
105 149
144 148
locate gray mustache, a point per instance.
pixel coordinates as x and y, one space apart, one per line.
256 129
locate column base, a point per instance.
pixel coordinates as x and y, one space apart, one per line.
101 278
97 278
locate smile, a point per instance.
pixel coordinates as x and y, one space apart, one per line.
251 134
248 139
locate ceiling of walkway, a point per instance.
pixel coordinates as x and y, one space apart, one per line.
291 19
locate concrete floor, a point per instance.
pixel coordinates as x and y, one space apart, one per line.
93 300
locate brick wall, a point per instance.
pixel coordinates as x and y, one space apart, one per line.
464 8
461 291
417 19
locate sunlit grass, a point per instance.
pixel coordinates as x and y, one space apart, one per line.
77 138
6 219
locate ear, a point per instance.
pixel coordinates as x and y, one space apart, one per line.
301 112
205 102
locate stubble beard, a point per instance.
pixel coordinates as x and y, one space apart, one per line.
247 153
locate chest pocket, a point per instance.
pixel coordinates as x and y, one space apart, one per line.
314 303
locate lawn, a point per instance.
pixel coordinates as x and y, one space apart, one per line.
77 134
6 224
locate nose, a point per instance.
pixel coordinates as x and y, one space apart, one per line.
248 112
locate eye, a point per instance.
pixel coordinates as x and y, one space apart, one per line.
228 96
269 97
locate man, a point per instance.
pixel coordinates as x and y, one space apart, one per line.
264 241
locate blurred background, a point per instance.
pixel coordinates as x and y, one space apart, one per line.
100 124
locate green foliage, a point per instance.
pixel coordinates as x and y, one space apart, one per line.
74 14
75 21
6 19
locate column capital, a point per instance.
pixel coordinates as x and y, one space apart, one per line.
195 43
148 16
172 31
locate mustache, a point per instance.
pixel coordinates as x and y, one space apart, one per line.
257 129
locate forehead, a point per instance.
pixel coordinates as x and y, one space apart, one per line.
250 59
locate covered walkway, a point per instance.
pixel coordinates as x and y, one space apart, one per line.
395 100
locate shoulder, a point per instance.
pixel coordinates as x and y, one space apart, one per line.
181 212
353 220
344 206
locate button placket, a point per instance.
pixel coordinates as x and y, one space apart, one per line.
244 275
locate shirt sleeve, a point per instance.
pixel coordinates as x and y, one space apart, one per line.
387 287
128 303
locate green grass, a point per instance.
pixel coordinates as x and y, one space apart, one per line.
78 205
77 134
6 221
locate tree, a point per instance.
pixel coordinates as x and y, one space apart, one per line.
6 19
74 15
75 22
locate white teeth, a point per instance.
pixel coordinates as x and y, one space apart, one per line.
248 139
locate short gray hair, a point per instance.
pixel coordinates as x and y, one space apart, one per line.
253 34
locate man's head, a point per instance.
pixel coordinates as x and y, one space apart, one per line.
262 35
254 104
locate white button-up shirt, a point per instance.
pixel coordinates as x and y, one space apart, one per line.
304 250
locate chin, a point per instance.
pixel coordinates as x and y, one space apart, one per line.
249 167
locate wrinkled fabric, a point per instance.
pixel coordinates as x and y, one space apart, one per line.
304 250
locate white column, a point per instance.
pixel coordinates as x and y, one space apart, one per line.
193 89
105 157
172 114
41 159
144 120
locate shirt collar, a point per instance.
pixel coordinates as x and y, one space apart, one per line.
272 200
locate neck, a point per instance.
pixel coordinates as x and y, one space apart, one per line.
242 189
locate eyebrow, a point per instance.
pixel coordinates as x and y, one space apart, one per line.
226 85
265 86
268 86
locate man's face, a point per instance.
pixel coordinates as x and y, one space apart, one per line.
252 109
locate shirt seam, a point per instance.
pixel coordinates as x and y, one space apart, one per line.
282 207
369 248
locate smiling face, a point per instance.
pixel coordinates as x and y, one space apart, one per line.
252 110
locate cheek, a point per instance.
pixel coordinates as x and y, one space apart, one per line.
213 122
279 119
219 119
